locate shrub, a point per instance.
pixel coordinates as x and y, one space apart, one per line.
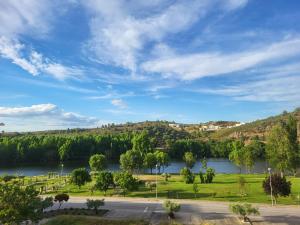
94 204
280 186
104 181
166 176
80 177
187 175
171 207
244 210
61 198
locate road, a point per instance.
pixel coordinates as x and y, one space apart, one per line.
192 212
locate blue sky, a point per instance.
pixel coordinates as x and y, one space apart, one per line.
83 63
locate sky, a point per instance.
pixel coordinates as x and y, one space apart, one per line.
85 63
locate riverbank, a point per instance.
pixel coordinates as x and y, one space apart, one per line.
225 187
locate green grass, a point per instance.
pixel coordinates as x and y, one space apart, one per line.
82 220
223 188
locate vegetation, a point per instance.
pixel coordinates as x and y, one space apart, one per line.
94 204
244 210
126 182
80 177
171 208
280 186
189 159
98 162
188 176
103 181
61 198
81 220
21 204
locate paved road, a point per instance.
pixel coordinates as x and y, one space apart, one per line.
192 212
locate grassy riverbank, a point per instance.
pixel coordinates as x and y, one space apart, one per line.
224 188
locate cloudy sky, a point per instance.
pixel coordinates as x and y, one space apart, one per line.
83 63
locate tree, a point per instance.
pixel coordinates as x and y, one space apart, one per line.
242 183
94 204
237 154
280 186
150 161
80 177
166 176
195 188
210 174
141 143
282 147
189 159
131 160
19 204
61 198
98 162
171 207
104 181
126 181
188 176
162 159
244 210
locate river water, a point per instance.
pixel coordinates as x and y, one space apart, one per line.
220 165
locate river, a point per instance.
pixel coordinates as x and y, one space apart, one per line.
220 165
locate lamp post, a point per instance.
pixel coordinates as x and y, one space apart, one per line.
156 181
269 169
62 168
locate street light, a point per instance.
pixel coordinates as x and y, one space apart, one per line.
62 168
269 169
156 181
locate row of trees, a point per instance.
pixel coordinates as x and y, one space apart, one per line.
79 147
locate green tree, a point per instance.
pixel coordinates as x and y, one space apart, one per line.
104 181
98 162
94 204
237 154
19 204
171 207
80 177
187 174
189 159
131 161
126 181
195 188
282 147
150 161
141 143
244 210
162 159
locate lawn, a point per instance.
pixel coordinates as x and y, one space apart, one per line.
224 188
82 220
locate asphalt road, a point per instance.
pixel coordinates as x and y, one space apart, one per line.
192 212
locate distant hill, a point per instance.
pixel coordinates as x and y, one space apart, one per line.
258 128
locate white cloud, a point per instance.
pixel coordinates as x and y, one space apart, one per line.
120 29
268 88
194 66
35 63
43 116
119 103
25 17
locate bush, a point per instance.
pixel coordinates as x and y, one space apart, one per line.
171 207
126 181
280 186
187 175
61 198
208 176
94 204
80 177
7 178
244 210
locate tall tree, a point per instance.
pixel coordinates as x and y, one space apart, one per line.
98 162
282 147
131 161
237 154
150 161
142 143
162 159
189 159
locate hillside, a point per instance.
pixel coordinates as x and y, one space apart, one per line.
258 128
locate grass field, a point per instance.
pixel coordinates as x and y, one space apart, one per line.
224 188
82 220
